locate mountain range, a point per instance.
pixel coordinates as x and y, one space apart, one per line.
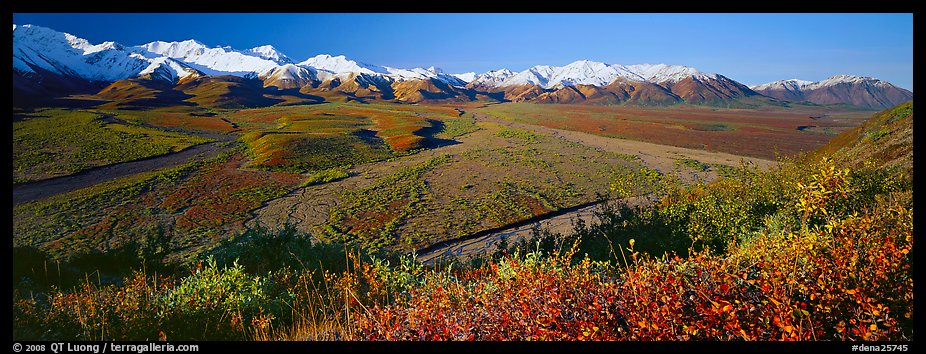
48 63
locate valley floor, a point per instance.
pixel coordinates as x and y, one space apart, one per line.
404 177
487 162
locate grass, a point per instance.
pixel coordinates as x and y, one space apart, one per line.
722 170
325 176
524 136
455 127
715 127
693 164
210 121
42 222
371 216
58 142
304 153
192 206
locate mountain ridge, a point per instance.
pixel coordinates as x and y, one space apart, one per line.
45 60
862 91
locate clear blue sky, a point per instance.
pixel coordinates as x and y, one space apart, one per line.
750 48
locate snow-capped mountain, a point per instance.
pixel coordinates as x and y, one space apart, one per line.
465 77
340 66
41 49
270 53
582 72
217 60
494 78
848 79
48 62
538 75
641 84
855 90
662 73
289 76
587 72
793 85
790 90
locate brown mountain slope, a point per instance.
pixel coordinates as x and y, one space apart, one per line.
721 92
42 87
521 93
226 92
862 92
709 91
360 87
601 95
784 93
642 93
566 94
861 95
430 90
138 93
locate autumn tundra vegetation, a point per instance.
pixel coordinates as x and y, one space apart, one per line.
817 247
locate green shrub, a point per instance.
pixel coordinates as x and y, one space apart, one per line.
325 176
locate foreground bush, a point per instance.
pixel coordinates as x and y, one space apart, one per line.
851 281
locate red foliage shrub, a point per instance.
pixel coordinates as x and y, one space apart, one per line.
851 282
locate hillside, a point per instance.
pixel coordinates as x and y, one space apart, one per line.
226 92
884 140
142 93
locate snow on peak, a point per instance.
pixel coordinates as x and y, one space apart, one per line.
586 72
796 85
848 79
270 53
466 77
68 55
793 85
289 76
663 73
168 69
537 75
52 38
581 72
493 78
175 49
341 65
215 60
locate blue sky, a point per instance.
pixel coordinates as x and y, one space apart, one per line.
750 48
